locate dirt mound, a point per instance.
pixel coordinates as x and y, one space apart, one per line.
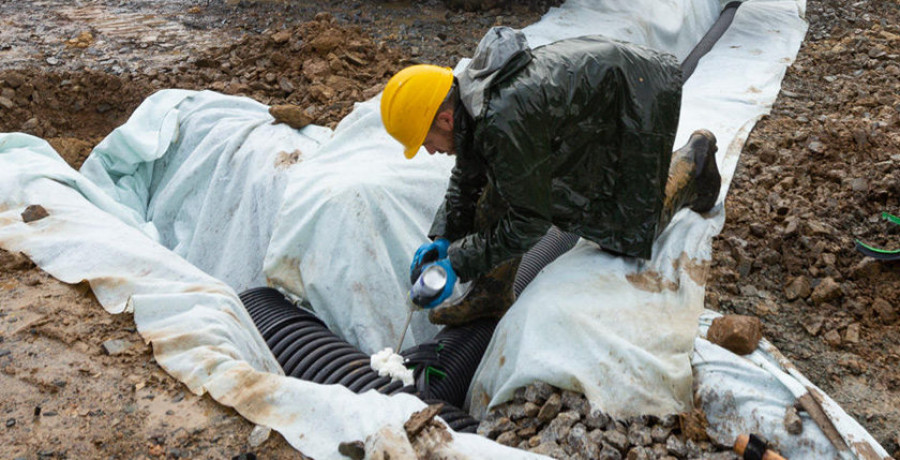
319 65
83 105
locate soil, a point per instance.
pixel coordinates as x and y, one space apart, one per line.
814 175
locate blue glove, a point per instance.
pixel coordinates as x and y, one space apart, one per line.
434 285
427 253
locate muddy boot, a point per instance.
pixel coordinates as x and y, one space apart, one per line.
707 179
694 178
489 296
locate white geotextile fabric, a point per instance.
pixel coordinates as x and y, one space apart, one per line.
199 330
750 394
203 174
629 325
352 216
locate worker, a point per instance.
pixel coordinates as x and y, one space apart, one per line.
576 134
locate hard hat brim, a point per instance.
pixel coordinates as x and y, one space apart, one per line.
409 153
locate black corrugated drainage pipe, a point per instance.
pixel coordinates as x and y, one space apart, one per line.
712 36
445 365
307 350
552 245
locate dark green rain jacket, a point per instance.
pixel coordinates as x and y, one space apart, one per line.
577 134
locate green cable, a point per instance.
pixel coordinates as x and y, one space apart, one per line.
890 218
878 250
435 371
878 253
431 370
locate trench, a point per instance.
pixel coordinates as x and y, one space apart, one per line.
444 366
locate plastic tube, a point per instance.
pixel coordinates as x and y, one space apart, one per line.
306 349
709 39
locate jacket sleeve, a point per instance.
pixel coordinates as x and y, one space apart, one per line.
455 217
518 155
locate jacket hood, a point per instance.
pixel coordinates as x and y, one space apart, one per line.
498 47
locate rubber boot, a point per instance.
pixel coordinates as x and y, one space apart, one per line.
489 296
694 178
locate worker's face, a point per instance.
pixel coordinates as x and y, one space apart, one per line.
440 137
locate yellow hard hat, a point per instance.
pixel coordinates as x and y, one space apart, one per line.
410 101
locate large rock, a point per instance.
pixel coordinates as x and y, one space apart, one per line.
737 333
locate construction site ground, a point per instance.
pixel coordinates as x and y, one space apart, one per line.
815 175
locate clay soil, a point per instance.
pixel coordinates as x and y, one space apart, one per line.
814 175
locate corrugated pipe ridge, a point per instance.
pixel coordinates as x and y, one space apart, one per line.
307 350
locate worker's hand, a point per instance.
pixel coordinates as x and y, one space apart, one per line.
434 285
427 253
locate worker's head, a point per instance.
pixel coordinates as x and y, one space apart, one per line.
416 109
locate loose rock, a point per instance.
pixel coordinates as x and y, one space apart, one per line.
538 392
551 408
826 291
116 347
291 115
885 311
617 439
798 288
833 337
509 438
737 333
550 449
851 335
34 212
493 425
792 422
558 429
676 447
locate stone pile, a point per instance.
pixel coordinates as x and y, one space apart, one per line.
561 424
